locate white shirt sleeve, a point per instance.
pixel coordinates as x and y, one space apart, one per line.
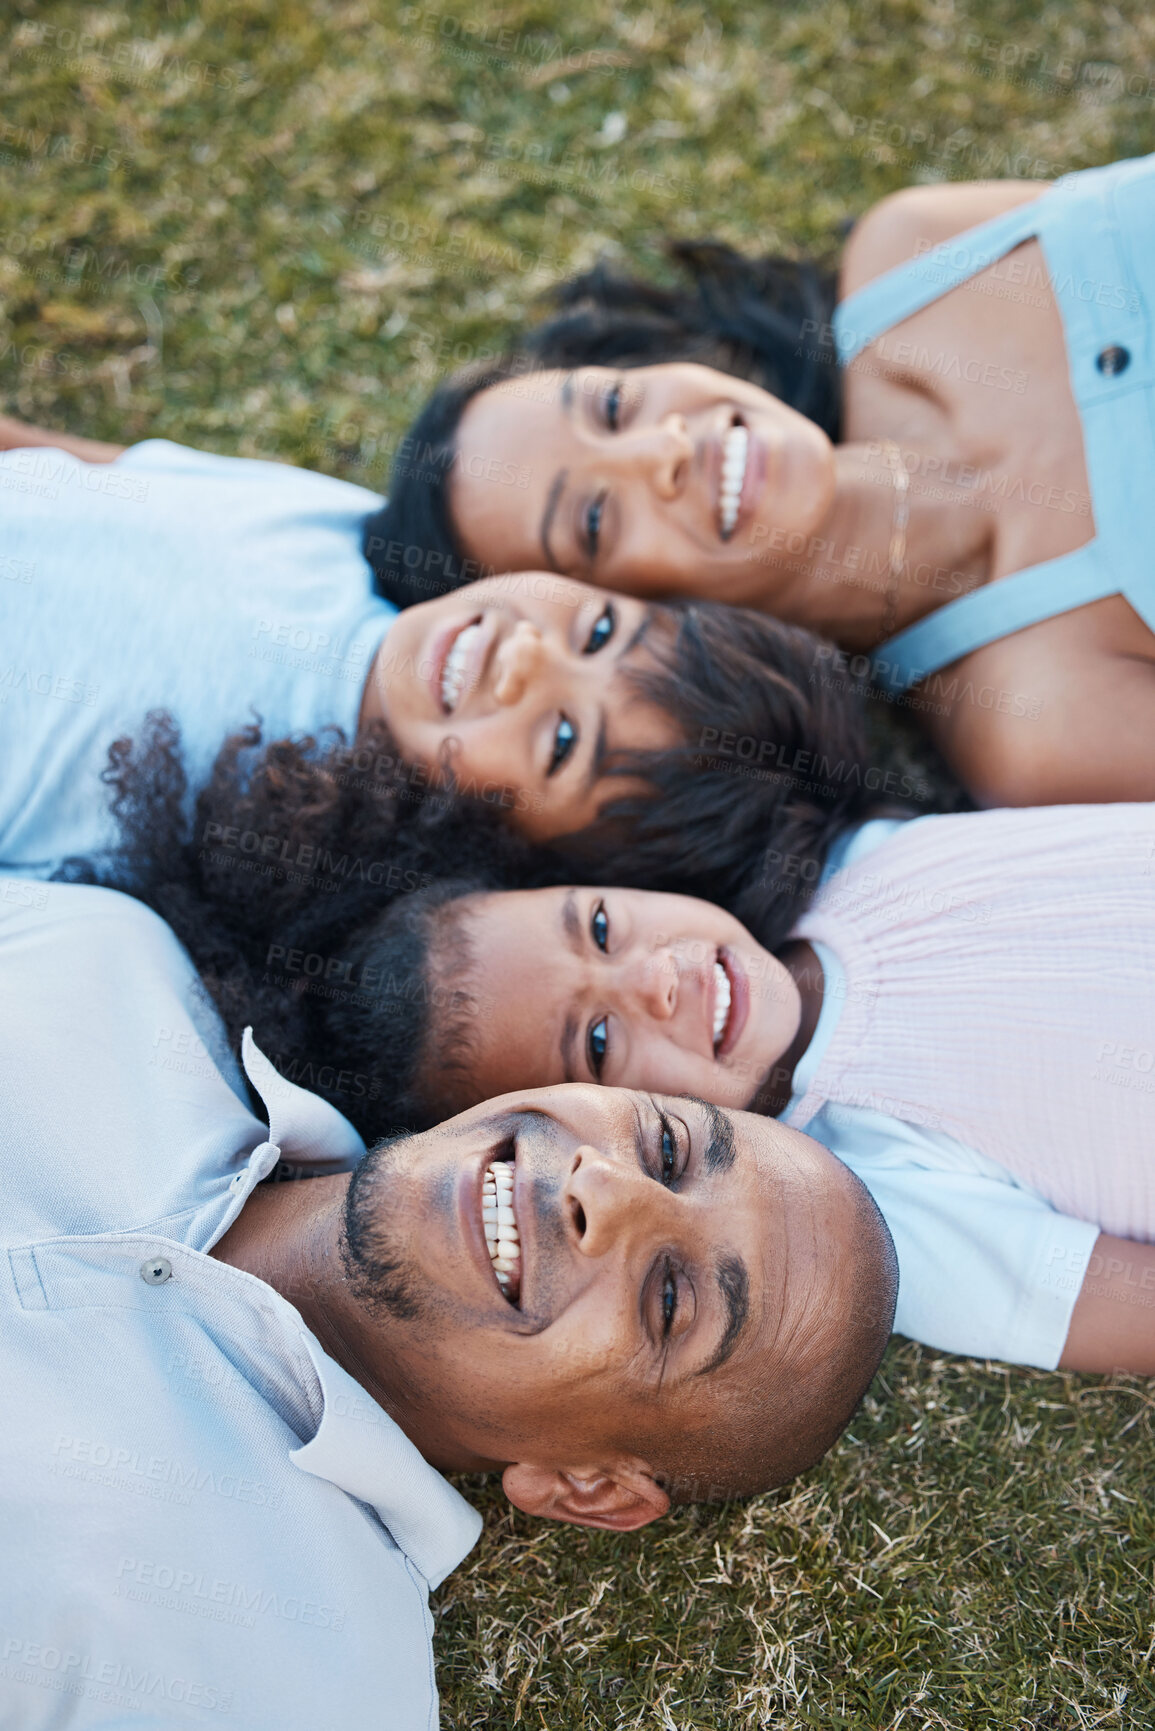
216 588
164 457
987 1267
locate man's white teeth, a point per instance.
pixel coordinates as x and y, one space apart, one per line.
734 448
500 1224
453 673
721 1002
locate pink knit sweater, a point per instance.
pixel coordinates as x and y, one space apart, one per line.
1000 972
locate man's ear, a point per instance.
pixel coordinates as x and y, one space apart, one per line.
619 1498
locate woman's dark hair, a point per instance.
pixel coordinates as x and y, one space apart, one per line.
766 320
312 893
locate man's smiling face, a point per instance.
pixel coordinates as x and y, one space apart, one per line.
669 1265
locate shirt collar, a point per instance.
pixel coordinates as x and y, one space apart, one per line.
362 1451
307 1130
358 1447
833 998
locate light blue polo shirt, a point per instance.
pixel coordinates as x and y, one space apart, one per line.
217 588
206 1520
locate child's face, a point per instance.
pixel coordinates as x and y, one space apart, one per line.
627 987
520 684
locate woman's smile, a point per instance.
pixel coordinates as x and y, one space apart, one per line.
657 480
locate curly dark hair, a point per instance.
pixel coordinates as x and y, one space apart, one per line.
766 320
315 884
306 886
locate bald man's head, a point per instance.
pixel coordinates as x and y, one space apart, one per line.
803 1390
619 1299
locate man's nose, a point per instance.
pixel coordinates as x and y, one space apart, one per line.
662 452
604 1201
517 662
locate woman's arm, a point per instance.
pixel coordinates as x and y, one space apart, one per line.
1051 723
20 436
1113 1322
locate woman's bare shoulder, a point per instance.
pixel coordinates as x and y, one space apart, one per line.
907 223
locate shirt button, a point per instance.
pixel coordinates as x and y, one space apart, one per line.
1114 359
156 1271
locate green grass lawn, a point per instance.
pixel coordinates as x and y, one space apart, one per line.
266 227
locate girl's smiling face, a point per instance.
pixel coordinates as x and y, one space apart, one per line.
630 988
521 685
660 480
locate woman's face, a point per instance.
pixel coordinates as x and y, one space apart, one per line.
626 987
521 684
673 479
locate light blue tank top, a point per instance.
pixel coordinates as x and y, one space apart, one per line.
1097 234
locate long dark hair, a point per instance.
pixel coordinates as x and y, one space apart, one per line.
766 320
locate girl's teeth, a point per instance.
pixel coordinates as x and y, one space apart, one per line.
453 673
735 447
721 1002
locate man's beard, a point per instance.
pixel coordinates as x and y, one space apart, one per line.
376 1273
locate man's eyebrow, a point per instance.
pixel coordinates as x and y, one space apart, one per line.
720 1149
734 1287
639 1135
557 488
